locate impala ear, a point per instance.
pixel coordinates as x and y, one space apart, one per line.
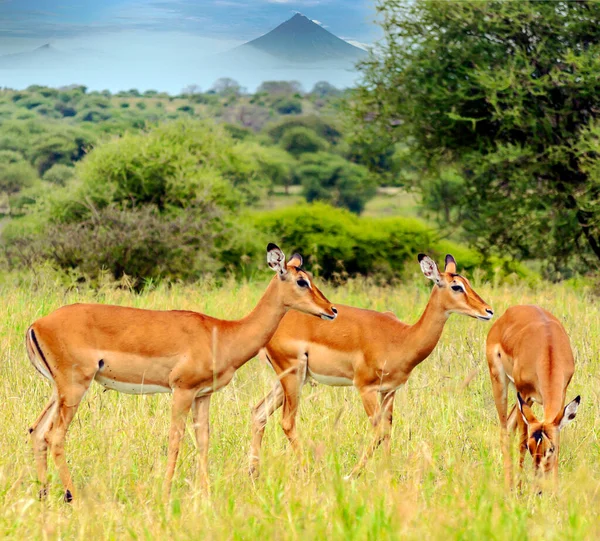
276 259
430 269
450 264
295 261
569 412
526 411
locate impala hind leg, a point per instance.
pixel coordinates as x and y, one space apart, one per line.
380 415
200 415
39 433
182 402
521 429
68 400
260 416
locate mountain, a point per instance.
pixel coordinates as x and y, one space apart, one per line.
300 40
42 57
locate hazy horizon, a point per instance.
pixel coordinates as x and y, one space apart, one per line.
162 45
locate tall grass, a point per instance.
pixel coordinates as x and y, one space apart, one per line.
443 478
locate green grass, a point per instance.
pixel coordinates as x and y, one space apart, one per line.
442 480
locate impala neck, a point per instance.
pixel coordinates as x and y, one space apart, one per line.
246 336
422 337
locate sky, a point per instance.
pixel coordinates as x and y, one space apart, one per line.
163 44
26 23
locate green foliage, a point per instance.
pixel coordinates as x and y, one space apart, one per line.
330 178
505 90
15 172
327 128
288 106
299 140
339 244
59 174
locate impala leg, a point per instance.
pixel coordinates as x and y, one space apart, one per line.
39 432
292 385
500 392
260 415
387 410
200 415
182 402
373 410
66 406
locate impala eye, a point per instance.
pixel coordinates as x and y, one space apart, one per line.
302 283
457 288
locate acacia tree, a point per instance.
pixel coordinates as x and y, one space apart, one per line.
509 94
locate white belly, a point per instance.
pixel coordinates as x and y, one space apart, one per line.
334 381
130 388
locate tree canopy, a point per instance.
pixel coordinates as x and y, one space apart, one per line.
508 93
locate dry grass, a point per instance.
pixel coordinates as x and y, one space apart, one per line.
442 480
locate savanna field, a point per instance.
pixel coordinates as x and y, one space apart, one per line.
442 479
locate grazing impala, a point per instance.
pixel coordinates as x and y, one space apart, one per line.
373 351
148 351
529 347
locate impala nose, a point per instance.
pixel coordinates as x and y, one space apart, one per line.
489 311
334 310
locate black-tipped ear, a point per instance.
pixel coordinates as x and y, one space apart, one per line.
420 257
569 412
295 260
276 259
450 264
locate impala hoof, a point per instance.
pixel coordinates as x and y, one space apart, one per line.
43 493
68 497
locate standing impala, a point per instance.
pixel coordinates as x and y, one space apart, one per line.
529 347
148 351
373 351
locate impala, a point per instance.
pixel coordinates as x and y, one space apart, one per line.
529 348
373 351
146 351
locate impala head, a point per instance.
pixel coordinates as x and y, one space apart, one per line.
456 292
296 286
543 438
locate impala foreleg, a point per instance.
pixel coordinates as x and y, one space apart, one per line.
200 414
182 402
292 385
260 415
380 416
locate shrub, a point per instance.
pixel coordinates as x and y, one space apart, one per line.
288 106
59 174
327 128
340 244
15 175
300 140
330 178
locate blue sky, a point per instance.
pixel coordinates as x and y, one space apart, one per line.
228 20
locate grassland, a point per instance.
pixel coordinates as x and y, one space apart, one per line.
443 478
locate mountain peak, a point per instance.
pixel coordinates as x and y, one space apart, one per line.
44 47
300 40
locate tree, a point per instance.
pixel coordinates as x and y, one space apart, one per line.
226 86
323 89
280 88
300 140
15 172
330 178
509 93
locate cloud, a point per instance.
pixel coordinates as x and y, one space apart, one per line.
358 44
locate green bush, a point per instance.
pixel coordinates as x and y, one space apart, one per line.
325 127
59 174
15 173
330 178
301 140
339 244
